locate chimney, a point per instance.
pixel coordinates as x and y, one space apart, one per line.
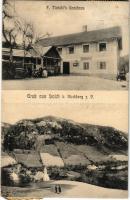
85 28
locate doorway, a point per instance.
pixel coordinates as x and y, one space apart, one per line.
66 68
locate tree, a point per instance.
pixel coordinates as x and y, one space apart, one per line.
7 16
26 31
14 27
30 36
9 29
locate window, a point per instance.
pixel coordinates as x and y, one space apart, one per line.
120 44
60 50
86 48
102 65
39 61
102 46
71 49
86 65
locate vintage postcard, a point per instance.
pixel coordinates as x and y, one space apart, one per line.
64 119
52 45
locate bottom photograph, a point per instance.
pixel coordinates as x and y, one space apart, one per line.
67 150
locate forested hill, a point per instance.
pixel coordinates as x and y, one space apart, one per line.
25 133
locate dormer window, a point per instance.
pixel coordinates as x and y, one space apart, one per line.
71 49
102 46
86 48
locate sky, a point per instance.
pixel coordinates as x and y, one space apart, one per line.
115 115
96 15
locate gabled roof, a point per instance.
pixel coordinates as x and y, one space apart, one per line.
39 50
82 37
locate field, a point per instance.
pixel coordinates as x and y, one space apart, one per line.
70 155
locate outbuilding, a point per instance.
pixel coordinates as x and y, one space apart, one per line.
49 58
26 62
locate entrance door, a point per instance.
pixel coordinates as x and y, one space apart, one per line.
66 68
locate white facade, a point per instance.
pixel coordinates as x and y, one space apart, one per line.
95 61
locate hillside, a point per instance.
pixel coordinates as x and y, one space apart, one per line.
88 153
62 130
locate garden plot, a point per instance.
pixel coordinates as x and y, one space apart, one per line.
50 156
51 149
28 159
49 160
71 155
92 153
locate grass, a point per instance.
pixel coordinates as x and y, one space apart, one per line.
71 155
51 149
91 152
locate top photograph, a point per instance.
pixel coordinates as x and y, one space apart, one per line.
65 45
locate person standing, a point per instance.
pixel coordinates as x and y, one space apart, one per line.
56 189
45 73
59 188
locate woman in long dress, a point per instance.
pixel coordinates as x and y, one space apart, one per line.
45 176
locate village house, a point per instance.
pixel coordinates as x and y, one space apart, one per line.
94 52
33 59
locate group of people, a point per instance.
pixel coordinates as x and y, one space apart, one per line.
41 72
57 189
37 73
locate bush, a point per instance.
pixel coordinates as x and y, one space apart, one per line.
57 173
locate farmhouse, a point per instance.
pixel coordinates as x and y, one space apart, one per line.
94 52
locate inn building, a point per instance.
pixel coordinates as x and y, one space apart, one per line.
94 52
